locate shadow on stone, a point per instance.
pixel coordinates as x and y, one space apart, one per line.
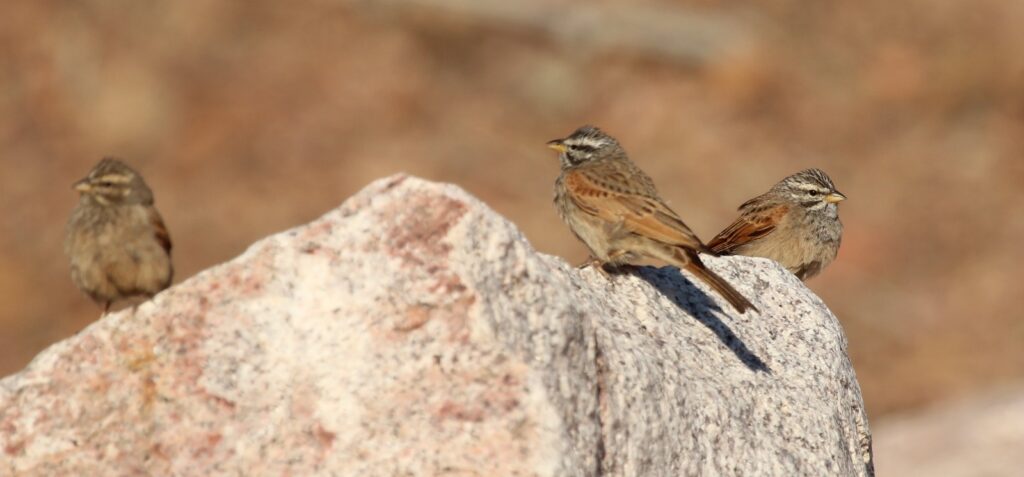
671 283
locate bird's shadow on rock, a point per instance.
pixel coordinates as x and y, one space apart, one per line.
671 283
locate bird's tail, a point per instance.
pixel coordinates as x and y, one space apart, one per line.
692 263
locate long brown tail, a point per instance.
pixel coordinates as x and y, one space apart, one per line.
693 265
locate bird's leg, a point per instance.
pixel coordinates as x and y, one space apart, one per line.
619 260
599 266
616 260
590 261
596 264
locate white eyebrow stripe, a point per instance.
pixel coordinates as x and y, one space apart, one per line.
586 141
806 186
115 178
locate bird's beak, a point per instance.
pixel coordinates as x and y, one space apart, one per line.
82 186
835 197
557 145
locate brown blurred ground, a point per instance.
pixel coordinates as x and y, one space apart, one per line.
250 117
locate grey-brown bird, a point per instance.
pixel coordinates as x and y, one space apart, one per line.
613 208
116 239
796 223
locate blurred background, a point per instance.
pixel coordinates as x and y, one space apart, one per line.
248 118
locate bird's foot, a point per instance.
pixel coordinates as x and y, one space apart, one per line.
616 262
586 263
596 264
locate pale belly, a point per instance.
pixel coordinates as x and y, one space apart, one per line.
802 255
605 241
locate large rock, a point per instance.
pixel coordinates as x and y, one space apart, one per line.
413 331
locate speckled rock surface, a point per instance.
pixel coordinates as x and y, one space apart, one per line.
413 331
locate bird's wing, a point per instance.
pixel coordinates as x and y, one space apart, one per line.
618 196
159 229
757 219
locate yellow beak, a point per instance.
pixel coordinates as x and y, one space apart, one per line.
835 197
82 186
557 145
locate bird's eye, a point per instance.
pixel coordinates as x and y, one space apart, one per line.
813 193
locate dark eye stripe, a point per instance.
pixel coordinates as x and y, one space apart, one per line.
583 147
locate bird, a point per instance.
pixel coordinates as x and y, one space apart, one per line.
612 206
795 223
116 240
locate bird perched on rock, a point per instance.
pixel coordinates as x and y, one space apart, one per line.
613 208
116 240
795 223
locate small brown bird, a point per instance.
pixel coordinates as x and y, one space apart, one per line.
612 207
796 223
116 240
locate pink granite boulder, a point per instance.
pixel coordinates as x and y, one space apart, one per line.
414 331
